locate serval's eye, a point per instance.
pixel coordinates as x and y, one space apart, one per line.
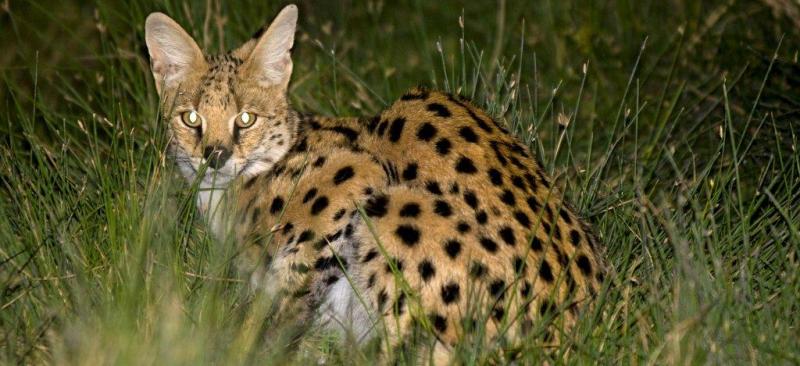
191 119
246 119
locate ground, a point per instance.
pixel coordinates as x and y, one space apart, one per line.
670 126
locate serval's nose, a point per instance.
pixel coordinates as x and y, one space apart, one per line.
216 156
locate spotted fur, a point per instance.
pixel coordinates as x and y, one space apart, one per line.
430 212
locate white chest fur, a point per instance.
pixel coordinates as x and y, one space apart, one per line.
211 203
343 312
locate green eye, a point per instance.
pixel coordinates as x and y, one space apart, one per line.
191 119
246 119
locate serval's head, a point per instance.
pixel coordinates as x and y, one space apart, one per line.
228 114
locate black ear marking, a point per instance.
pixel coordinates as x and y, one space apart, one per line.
259 32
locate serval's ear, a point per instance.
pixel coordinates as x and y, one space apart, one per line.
269 60
173 53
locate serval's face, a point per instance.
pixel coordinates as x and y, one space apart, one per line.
228 115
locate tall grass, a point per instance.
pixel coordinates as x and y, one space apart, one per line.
670 127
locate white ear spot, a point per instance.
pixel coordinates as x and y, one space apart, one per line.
271 59
172 51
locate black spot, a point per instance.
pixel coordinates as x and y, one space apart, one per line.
531 181
319 204
256 214
544 181
410 172
562 258
382 127
331 280
565 216
533 204
396 130
483 125
549 213
454 189
349 133
439 109
468 134
399 304
575 237
288 227
324 263
382 297
536 244
481 217
517 163
465 165
391 172
463 227
442 208
452 248
276 206
433 187
495 177
373 122
297 267
333 237
497 288
518 182
599 276
507 234
319 162
518 264
498 313
410 210
545 272
339 214
471 199
546 227
376 206
450 293
507 197
302 146
310 195
348 230
518 149
522 218
369 256
426 132
426 270
477 269
585 265
571 285
408 234
305 236
250 182
443 146
398 263
498 154
525 290
488 244
439 322
343 175
371 280
546 307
